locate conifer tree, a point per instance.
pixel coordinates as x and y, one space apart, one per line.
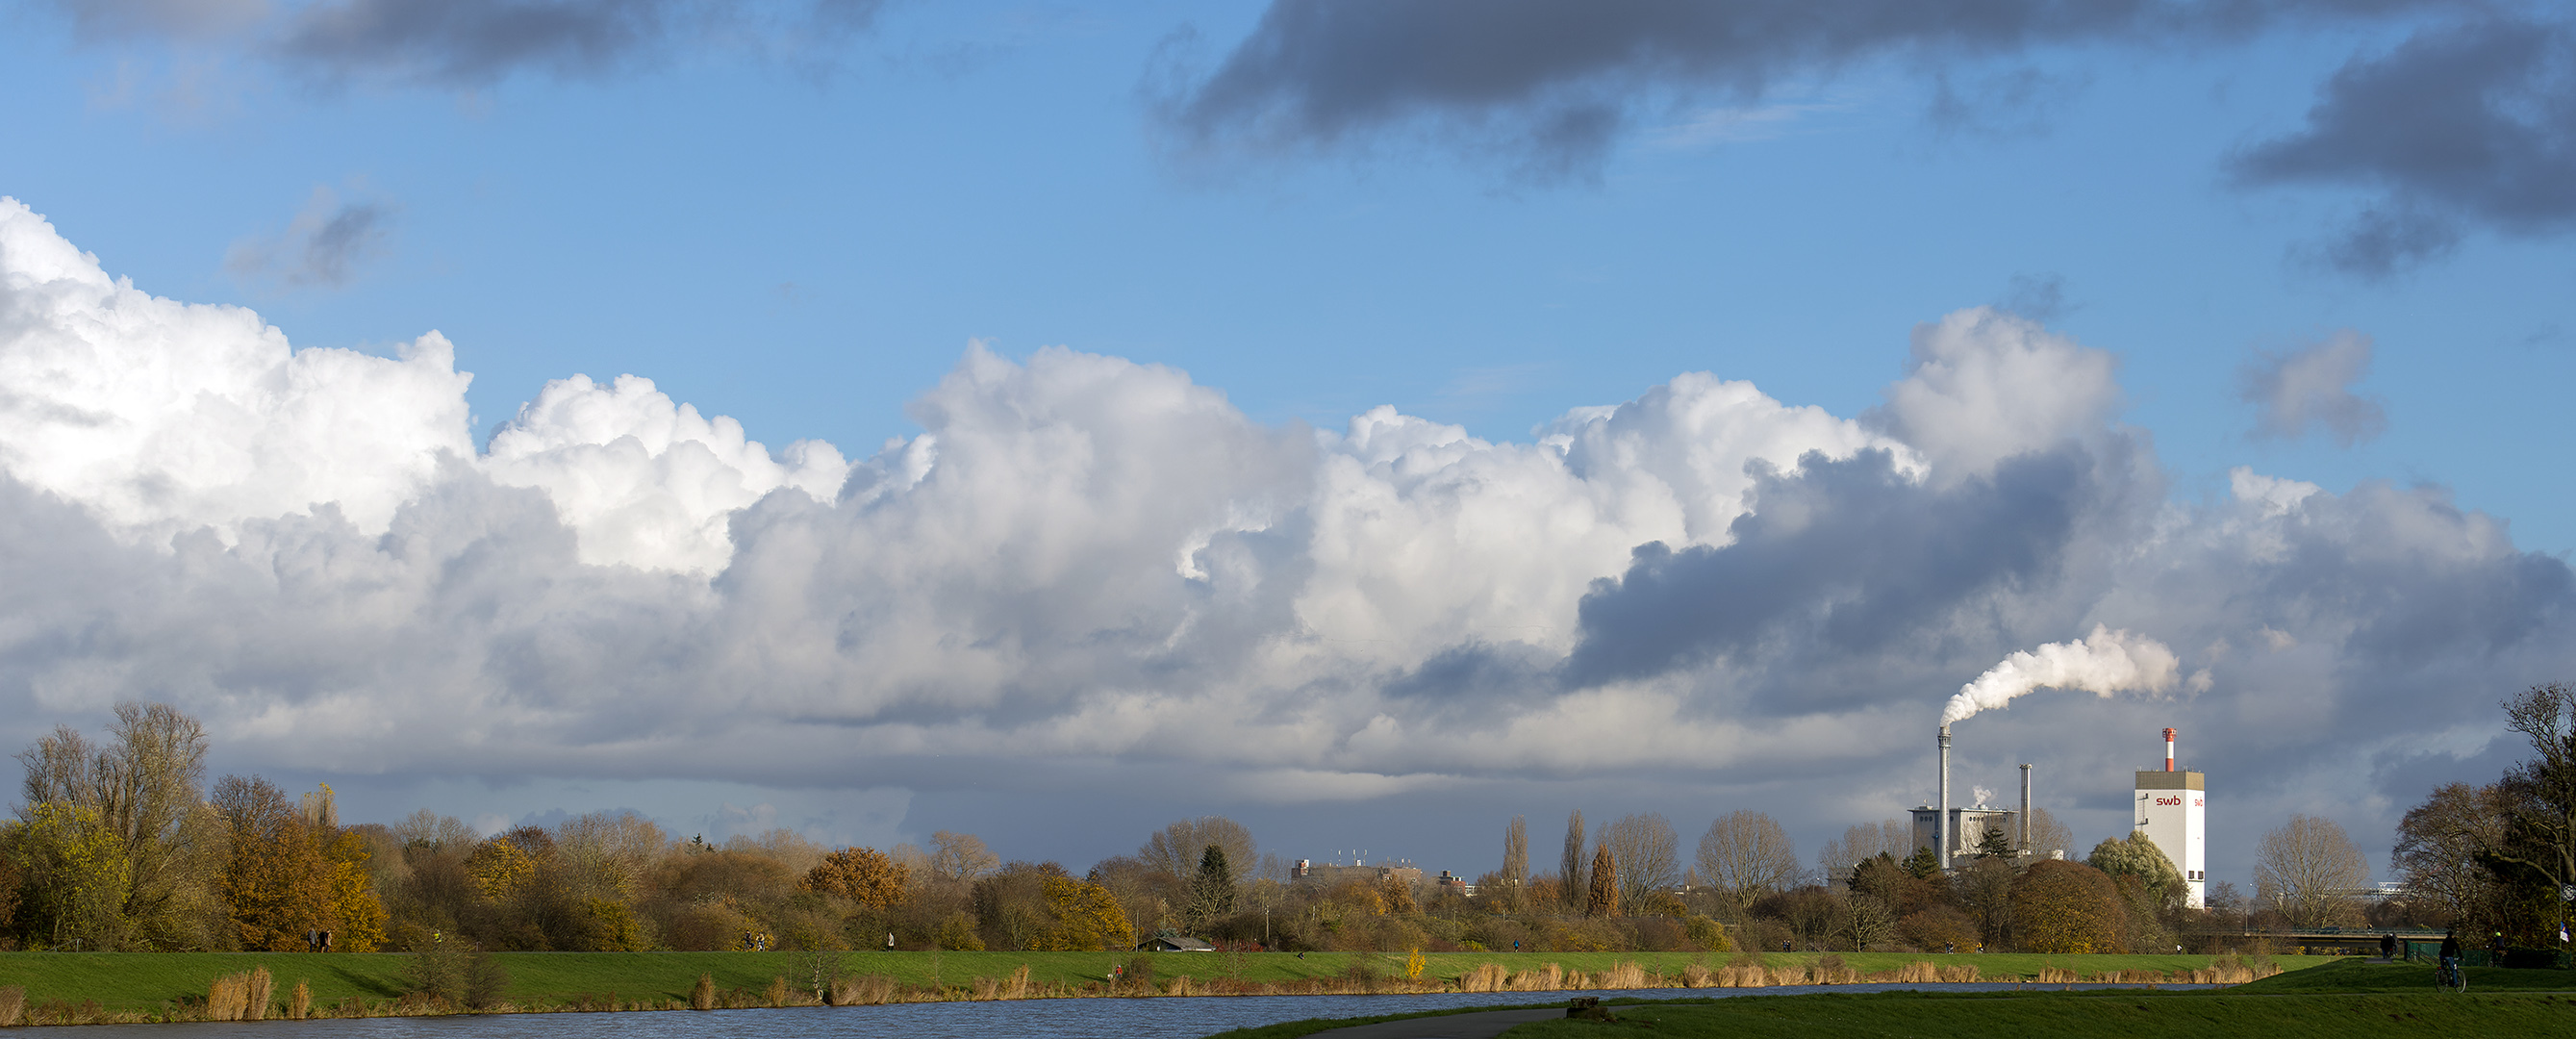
1604 900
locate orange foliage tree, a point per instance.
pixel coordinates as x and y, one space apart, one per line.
862 875
1604 896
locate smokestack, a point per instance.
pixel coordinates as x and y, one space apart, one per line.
1941 822
2024 845
2169 750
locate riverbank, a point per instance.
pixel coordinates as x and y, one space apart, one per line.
69 988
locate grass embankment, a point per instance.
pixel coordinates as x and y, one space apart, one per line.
2129 1014
134 986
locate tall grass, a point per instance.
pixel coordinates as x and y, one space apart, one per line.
13 1004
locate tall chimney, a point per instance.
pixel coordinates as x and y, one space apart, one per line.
2024 845
2169 750
1941 821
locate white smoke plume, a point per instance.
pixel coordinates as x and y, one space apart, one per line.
2105 662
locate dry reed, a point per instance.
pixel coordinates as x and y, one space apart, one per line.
777 993
1487 977
863 990
702 996
2058 975
300 1005
1546 977
228 997
1017 985
13 1004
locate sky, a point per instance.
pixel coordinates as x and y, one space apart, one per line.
1368 421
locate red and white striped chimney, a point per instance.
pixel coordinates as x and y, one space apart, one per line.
2169 750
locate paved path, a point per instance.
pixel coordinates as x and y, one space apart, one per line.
1480 1025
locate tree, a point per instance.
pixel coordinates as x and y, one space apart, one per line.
76 869
1602 898
2438 845
2540 832
1516 852
1212 890
1995 844
960 857
1571 879
146 786
276 879
2066 907
1984 887
1084 917
1747 855
2047 834
1646 850
2308 871
862 875
1176 849
2137 856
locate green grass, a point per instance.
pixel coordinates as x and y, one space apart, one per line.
2128 1014
1294 1029
145 981
2361 975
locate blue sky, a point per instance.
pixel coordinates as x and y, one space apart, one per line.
804 231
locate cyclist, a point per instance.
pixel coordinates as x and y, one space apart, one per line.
2448 976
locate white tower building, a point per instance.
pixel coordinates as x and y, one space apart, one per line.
2170 809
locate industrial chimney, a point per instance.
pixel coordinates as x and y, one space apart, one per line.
2169 733
1941 822
2023 845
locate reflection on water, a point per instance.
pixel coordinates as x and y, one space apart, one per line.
1035 1018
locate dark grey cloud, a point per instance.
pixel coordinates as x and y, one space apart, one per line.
2470 125
324 246
1555 80
2311 387
1843 558
472 43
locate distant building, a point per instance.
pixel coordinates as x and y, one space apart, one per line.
1329 874
1173 943
1968 826
2171 810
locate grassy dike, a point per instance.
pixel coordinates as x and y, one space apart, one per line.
134 986
2346 999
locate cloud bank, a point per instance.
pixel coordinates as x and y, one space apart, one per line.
1082 562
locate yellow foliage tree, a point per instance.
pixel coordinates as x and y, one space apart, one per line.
2066 907
353 896
499 867
1086 918
76 867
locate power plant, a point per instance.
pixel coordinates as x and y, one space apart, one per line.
2170 807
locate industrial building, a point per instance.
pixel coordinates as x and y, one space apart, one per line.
2170 807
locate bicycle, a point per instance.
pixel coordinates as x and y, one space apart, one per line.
2448 977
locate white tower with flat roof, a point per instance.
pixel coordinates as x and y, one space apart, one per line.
2170 810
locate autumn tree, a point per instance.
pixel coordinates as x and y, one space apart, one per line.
77 875
276 879
145 784
2308 871
862 875
2066 907
1747 855
2137 856
1647 851
1082 917
1516 852
1602 898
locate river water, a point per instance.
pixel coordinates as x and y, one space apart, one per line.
1033 1018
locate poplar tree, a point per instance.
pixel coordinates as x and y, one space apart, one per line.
1571 878
1516 851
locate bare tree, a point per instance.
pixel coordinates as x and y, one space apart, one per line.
2047 834
1867 841
1516 851
1747 855
1572 878
960 857
2309 872
1177 849
1648 855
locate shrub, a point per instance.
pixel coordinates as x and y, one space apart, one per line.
702 996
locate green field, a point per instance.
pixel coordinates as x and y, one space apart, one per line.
148 981
2129 1014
